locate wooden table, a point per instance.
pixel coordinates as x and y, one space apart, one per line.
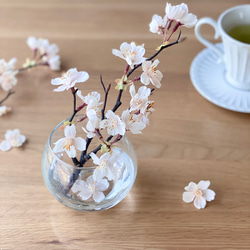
189 139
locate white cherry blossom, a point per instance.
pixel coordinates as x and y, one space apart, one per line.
92 100
199 193
139 100
8 80
158 24
180 14
90 188
54 62
113 124
32 42
4 110
13 138
151 73
7 66
93 123
70 143
69 79
131 53
133 122
105 168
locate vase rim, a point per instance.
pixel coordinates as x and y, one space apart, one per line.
56 157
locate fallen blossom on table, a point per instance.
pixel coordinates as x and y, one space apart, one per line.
13 138
199 193
90 188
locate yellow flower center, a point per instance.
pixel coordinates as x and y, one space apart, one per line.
154 69
102 165
113 123
68 143
198 192
91 187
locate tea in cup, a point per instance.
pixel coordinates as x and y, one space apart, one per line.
233 26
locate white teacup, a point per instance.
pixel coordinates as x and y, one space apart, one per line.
236 55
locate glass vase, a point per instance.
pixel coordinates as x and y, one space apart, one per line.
60 174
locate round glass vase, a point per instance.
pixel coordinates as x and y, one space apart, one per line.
60 174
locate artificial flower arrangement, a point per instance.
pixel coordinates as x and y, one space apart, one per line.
44 54
98 120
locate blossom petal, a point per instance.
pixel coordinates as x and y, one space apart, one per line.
60 88
95 159
202 185
71 152
208 194
200 202
56 81
188 197
102 185
85 194
81 76
80 143
145 79
79 186
5 145
98 174
70 131
191 187
98 196
90 180
59 145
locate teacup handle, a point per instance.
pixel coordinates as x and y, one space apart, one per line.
200 37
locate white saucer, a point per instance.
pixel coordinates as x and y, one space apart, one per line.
208 77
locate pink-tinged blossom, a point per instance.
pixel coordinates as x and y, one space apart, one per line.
13 138
105 168
69 79
113 124
151 73
199 193
131 53
8 80
4 110
180 14
133 122
139 100
70 143
90 188
158 24
7 66
92 124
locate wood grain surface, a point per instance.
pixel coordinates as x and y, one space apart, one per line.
189 139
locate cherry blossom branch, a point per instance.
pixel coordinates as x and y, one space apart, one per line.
7 96
118 101
73 90
178 40
106 90
32 66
